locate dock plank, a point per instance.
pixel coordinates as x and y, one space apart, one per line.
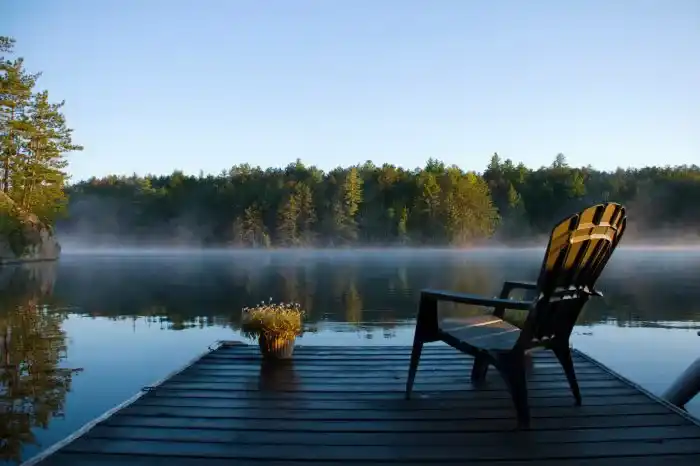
292 386
332 425
394 453
418 405
428 377
387 438
336 405
79 459
468 393
379 414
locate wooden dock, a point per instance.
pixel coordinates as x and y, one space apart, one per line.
336 405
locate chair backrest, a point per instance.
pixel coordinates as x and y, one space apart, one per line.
579 248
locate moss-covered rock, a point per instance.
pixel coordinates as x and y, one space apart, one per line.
23 237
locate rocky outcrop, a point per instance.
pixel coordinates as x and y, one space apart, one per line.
23 237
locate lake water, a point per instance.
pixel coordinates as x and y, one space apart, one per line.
96 327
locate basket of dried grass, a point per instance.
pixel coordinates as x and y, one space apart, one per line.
275 326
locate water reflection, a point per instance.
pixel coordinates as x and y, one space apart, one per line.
277 376
32 345
182 292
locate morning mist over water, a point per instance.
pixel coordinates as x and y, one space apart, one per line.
382 278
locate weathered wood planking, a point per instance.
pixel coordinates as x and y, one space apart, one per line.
334 405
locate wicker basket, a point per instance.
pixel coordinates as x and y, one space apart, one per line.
275 347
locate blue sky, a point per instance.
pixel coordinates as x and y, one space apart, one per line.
157 85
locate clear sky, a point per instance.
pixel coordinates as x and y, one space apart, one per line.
157 85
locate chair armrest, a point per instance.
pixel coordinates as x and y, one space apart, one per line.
467 298
508 286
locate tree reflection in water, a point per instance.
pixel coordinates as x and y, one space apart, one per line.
32 345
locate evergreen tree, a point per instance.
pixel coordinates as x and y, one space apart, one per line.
34 139
352 197
255 233
40 180
15 93
287 231
306 218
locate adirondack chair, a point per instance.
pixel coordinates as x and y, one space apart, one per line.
579 248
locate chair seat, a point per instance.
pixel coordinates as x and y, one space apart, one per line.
483 331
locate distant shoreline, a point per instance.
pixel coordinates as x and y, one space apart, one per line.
24 261
150 250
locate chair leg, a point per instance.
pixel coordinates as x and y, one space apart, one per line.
415 358
563 354
426 331
512 369
480 368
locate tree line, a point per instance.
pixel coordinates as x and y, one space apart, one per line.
302 206
34 140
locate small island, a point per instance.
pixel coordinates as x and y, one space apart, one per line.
34 141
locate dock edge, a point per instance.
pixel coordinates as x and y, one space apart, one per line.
106 415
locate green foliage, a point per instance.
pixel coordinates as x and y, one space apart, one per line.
296 206
11 227
34 139
302 206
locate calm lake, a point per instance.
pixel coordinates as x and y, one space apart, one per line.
96 327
